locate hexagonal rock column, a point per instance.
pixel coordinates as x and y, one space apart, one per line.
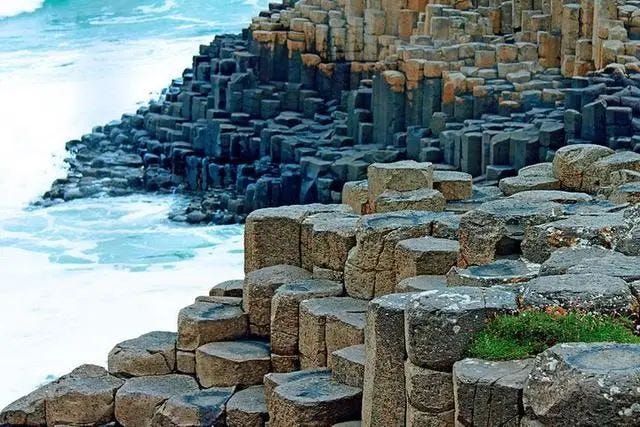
571 163
198 408
285 316
502 272
326 240
489 393
272 235
588 292
416 200
530 178
150 354
425 256
273 380
356 195
583 261
247 408
383 397
585 384
593 230
453 185
83 397
259 288
327 325
232 363
429 396
497 228
422 283
407 175
229 288
439 325
315 400
203 322
140 397
369 270
347 365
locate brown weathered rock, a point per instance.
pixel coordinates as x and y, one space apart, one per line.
232 363
572 162
138 399
425 256
355 194
400 176
427 390
453 185
285 311
259 288
327 325
272 235
202 323
273 380
230 288
489 393
198 408
150 354
247 408
347 365
417 200
326 240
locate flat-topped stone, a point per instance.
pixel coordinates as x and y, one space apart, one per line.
406 175
347 365
423 199
563 197
314 400
198 408
153 353
453 185
327 325
422 283
273 379
440 324
626 193
272 235
588 292
247 408
497 228
229 288
489 393
232 363
501 272
138 399
425 256
259 288
578 230
203 322
592 261
285 310
83 397
522 183
571 380
572 162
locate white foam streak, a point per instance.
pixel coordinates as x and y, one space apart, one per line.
9 8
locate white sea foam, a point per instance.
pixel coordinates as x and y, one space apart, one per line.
9 8
163 7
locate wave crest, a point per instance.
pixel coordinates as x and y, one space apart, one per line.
9 8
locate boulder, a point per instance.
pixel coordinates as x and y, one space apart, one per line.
232 363
138 399
425 256
585 384
203 322
198 408
440 325
247 408
489 393
259 288
150 354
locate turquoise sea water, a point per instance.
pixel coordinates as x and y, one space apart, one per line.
79 277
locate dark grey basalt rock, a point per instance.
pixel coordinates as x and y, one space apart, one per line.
150 354
585 384
198 408
502 272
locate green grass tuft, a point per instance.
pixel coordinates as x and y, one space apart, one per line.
529 333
